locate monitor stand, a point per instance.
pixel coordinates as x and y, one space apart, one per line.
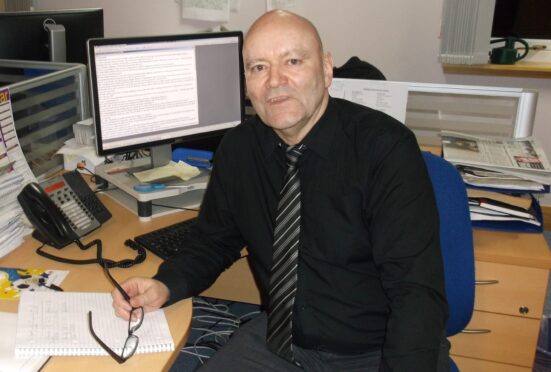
147 205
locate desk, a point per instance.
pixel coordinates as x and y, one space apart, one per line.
89 278
511 308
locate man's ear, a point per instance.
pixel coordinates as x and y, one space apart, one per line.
328 68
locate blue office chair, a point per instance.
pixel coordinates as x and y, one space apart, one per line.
456 241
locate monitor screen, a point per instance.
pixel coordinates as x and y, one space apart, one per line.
153 91
23 34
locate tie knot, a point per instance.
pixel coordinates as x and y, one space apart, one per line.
293 153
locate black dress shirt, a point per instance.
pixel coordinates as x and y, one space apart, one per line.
370 272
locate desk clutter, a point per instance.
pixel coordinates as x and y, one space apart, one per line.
503 178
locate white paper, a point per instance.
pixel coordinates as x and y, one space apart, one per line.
15 173
206 10
8 362
56 323
388 97
180 169
281 4
11 142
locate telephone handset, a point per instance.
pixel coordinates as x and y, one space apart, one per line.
62 209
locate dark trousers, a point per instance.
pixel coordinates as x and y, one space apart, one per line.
247 351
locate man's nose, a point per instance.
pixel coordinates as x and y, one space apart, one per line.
277 77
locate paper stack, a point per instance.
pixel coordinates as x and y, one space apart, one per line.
510 171
493 206
14 174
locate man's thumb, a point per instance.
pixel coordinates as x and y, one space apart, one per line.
139 300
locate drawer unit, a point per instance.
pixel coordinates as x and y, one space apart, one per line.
509 289
509 300
511 339
477 365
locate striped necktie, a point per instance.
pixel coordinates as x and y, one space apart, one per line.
283 278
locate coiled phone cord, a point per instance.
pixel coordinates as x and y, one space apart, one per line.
103 262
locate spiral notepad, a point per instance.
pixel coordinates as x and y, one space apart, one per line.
56 323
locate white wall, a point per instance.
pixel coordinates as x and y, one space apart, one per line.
398 36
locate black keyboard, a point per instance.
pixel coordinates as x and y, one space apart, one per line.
167 241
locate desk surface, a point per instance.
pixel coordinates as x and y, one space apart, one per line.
89 278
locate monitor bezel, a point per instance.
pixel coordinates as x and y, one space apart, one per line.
92 43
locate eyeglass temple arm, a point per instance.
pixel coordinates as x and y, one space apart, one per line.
114 355
116 284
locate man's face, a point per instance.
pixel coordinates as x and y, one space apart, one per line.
287 76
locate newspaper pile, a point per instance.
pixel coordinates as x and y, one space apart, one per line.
498 162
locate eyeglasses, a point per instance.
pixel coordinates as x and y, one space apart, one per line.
134 322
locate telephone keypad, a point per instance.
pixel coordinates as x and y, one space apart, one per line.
71 205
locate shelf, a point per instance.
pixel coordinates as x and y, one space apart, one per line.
520 69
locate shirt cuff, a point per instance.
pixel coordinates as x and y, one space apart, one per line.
178 288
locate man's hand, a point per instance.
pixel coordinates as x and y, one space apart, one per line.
148 293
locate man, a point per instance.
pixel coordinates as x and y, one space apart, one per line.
368 290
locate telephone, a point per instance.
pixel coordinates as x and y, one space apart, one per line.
62 209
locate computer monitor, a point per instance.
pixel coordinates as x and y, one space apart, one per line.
149 92
49 35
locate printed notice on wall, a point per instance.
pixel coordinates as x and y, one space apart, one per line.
281 4
206 10
388 97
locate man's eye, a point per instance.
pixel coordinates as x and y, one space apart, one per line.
294 61
257 68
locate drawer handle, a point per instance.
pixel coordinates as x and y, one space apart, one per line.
476 331
486 282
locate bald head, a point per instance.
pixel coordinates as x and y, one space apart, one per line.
278 19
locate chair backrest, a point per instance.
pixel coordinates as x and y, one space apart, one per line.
456 240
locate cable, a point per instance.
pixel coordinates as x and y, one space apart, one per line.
212 326
81 165
125 263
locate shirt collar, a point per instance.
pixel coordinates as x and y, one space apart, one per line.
319 140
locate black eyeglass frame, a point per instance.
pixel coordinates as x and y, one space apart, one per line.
135 313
